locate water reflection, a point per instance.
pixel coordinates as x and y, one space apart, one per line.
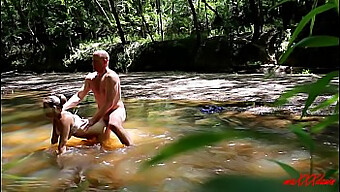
28 163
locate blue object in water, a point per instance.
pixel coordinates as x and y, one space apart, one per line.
211 109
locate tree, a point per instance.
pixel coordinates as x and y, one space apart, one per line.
196 25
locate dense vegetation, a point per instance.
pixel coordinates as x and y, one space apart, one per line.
59 35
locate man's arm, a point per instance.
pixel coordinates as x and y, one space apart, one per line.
112 98
76 98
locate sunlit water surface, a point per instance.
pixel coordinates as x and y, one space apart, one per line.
28 163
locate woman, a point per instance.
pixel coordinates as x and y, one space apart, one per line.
66 124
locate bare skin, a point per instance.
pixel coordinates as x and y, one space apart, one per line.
61 129
105 84
63 122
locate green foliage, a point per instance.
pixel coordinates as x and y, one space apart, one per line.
305 71
304 137
313 41
188 143
85 50
310 41
251 184
126 58
243 184
39 35
313 90
327 103
333 119
289 169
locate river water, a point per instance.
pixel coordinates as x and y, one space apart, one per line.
161 108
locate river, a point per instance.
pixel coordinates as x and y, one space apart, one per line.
161 108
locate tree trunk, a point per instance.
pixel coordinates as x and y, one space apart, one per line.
255 9
159 11
102 11
218 17
115 15
140 8
198 34
206 17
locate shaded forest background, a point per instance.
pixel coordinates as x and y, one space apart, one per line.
158 35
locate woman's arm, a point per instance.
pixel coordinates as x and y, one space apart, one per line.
54 138
64 134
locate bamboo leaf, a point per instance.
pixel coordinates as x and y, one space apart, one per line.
313 90
312 41
14 163
331 172
308 17
286 54
333 119
187 143
278 4
236 183
337 5
304 137
289 169
317 88
318 41
313 18
327 103
290 93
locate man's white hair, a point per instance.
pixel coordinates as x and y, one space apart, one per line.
102 54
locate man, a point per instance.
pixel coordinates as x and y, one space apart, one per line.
105 84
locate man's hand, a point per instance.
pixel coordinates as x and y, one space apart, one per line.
87 123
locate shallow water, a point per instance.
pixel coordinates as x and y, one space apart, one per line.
28 163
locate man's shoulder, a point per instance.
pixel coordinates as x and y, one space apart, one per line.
112 75
91 75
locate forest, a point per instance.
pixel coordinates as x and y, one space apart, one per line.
203 113
155 35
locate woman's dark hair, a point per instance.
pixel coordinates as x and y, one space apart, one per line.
62 99
58 100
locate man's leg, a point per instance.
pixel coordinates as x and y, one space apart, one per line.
116 119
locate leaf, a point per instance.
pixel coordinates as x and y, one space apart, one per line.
313 90
331 172
308 17
286 54
313 18
278 4
337 5
290 93
327 103
319 41
289 169
14 163
187 143
304 137
312 41
302 24
317 88
333 119
236 183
